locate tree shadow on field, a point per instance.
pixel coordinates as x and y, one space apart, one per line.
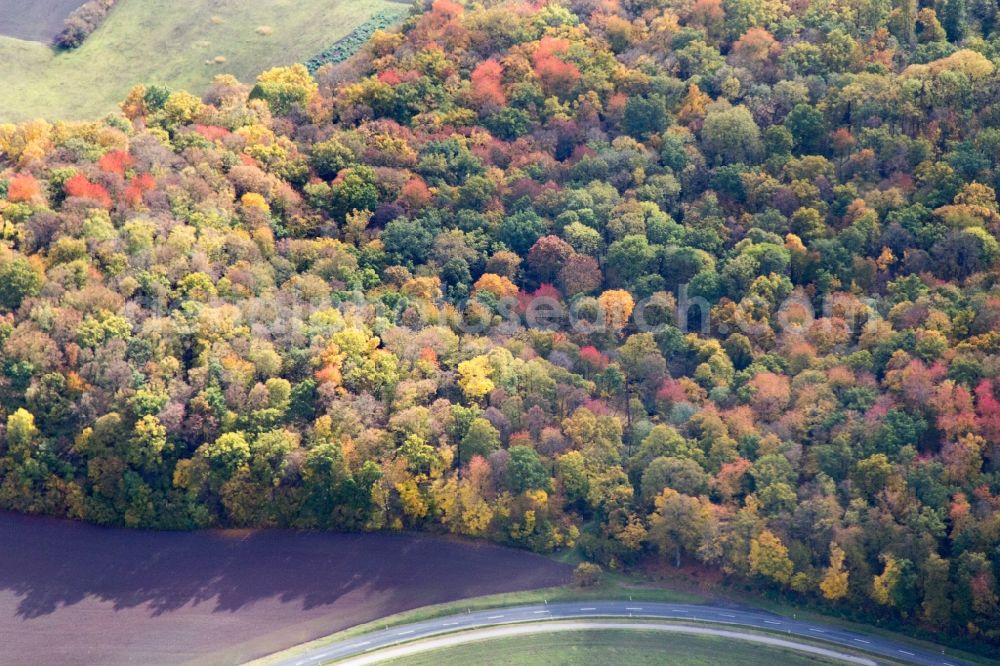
52 565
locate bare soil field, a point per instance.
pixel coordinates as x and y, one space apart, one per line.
35 20
72 593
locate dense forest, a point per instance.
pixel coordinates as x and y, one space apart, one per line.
712 281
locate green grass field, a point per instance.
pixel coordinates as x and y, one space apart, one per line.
180 44
599 648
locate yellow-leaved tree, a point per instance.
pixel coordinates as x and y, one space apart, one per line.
884 584
769 558
616 306
834 583
474 377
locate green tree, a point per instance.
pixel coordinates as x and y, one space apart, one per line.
731 135
809 129
571 471
521 230
20 280
336 498
355 190
679 524
148 443
525 470
662 441
683 475
645 115
227 453
629 259
327 158
420 456
481 439
954 19
936 586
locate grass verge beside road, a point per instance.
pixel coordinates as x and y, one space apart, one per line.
602 647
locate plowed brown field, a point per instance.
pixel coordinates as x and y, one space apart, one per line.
72 593
35 20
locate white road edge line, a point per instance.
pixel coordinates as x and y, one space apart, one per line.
553 627
662 614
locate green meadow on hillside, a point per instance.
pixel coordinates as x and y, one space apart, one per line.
180 44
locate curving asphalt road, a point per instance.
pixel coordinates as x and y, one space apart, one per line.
717 615
557 626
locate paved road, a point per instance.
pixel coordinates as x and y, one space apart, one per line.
531 628
753 619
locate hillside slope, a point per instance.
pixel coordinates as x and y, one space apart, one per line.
173 44
716 284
